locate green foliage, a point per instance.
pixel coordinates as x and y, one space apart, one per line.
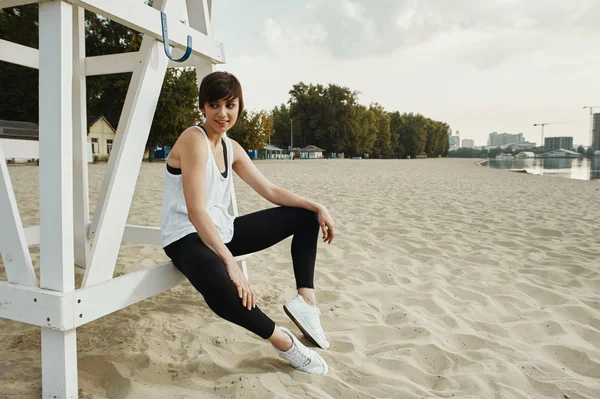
331 118
281 126
252 130
177 105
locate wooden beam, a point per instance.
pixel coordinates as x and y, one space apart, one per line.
98 300
35 306
20 55
13 243
59 348
81 201
126 62
116 191
147 20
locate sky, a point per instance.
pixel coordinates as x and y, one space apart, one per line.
480 66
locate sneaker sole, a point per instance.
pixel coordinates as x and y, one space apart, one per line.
296 319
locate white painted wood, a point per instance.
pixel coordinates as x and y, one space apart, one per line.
81 206
124 164
200 16
147 20
59 364
142 235
113 63
56 142
13 243
98 65
130 100
32 305
18 54
109 296
32 235
59 348
125 62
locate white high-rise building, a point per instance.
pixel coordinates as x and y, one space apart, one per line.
498 139
468 143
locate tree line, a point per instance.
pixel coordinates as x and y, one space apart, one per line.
329 117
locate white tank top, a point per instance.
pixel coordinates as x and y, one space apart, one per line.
175 223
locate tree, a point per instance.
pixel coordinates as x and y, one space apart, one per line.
177 106
19 84
281 126
581 150
383 140
252 130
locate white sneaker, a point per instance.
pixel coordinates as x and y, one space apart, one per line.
302 358
307 318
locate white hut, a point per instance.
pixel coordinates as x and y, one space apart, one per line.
311 152
19 141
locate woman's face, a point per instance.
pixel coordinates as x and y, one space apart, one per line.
221 115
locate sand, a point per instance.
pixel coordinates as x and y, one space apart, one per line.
445 279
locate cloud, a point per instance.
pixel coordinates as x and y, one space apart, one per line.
364 28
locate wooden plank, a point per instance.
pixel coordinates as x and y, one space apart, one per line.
130 100
126 62
32 235
118 185
81 206
147 20
32 305
20 55
95 301
59 364
13 243
59 348
56 147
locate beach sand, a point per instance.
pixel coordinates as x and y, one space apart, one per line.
445 279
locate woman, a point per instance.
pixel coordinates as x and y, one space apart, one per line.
202 238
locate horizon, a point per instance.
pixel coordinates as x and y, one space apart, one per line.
494 66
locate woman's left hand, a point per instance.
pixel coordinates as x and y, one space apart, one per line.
326 223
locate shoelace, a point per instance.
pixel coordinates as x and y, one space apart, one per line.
302 355
318 328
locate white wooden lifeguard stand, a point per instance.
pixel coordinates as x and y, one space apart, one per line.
65 227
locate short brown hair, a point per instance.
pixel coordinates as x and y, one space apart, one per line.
220 85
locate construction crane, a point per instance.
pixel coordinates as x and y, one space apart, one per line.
544 124
591 107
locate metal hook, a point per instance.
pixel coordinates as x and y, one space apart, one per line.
165 35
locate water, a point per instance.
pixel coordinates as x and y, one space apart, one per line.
573 168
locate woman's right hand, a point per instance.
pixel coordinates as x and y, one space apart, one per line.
242 284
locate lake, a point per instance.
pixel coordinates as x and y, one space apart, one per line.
573 168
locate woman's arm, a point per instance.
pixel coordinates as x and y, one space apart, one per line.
249 173
193 158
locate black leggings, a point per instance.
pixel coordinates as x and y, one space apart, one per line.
252 233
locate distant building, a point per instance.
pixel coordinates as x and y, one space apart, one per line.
560 153
20 140
554 143
596 133
525 154
311 152
468 143
453 141
101 134
498 139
